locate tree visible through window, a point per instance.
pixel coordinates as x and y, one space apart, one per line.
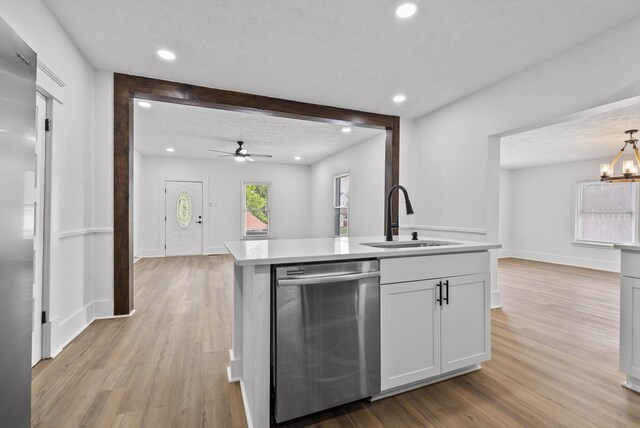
341 205
606 212
256 210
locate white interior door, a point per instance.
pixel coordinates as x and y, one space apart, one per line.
183 218
38 241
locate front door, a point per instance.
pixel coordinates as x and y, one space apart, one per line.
183 218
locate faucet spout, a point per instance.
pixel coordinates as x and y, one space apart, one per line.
389 225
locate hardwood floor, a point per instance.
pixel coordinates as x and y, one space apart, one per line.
555 359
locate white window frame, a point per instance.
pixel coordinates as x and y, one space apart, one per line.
578 212
243 211
335 200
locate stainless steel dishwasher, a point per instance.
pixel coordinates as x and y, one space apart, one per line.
325 336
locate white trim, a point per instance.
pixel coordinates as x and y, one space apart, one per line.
234 369
216 250
53 76
471 230
150 253
245 402
596 244
584 262
504 253
83 232
113 317
63 332
495 299
421 383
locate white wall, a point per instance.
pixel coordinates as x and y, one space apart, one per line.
457 170
138 192
289 194
73 300
543 206
365 164
505 232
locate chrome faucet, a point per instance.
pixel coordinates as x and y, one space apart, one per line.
389 225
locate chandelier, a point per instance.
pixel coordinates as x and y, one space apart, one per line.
629 169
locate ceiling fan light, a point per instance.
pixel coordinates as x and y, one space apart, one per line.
239 158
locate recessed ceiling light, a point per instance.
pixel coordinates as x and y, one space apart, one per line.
144 104
406 10
399 98
170 149
346 129
167 55
297 158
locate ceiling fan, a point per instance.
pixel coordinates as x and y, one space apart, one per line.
241 154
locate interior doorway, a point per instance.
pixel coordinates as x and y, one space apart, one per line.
183 218
39 231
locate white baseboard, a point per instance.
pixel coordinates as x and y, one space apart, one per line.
495 300
606 265
247 410
234 370
64 331
215 250
150 253
504 253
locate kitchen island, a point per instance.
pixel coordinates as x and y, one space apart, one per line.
440 289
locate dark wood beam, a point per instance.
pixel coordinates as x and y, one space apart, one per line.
127 87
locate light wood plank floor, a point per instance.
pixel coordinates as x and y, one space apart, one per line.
555 359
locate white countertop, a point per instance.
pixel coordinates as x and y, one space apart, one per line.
278 251
628 247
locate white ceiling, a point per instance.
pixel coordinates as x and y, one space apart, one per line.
592 136
191 131
353 54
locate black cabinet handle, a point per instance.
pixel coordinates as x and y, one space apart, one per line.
439 299
446 299
199 222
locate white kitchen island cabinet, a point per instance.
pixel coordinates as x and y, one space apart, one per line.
630 315
437 321
421 342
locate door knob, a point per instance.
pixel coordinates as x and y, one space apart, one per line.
199 222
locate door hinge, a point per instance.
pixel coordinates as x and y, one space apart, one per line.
43 319
47 125
165 190
165 246
165 218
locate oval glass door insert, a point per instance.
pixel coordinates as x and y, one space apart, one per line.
183 210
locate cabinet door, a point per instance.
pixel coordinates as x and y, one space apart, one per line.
466 322
630 326
409 333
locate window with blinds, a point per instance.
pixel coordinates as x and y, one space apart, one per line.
606 212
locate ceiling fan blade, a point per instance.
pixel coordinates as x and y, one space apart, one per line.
259 156
220 151
226 156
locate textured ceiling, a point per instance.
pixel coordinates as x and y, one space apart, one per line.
353 54
594 136
191 131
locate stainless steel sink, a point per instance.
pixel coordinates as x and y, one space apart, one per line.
409 244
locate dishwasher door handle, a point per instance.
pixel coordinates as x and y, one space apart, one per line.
326 279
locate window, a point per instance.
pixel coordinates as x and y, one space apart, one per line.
606 212
341 205
255 213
